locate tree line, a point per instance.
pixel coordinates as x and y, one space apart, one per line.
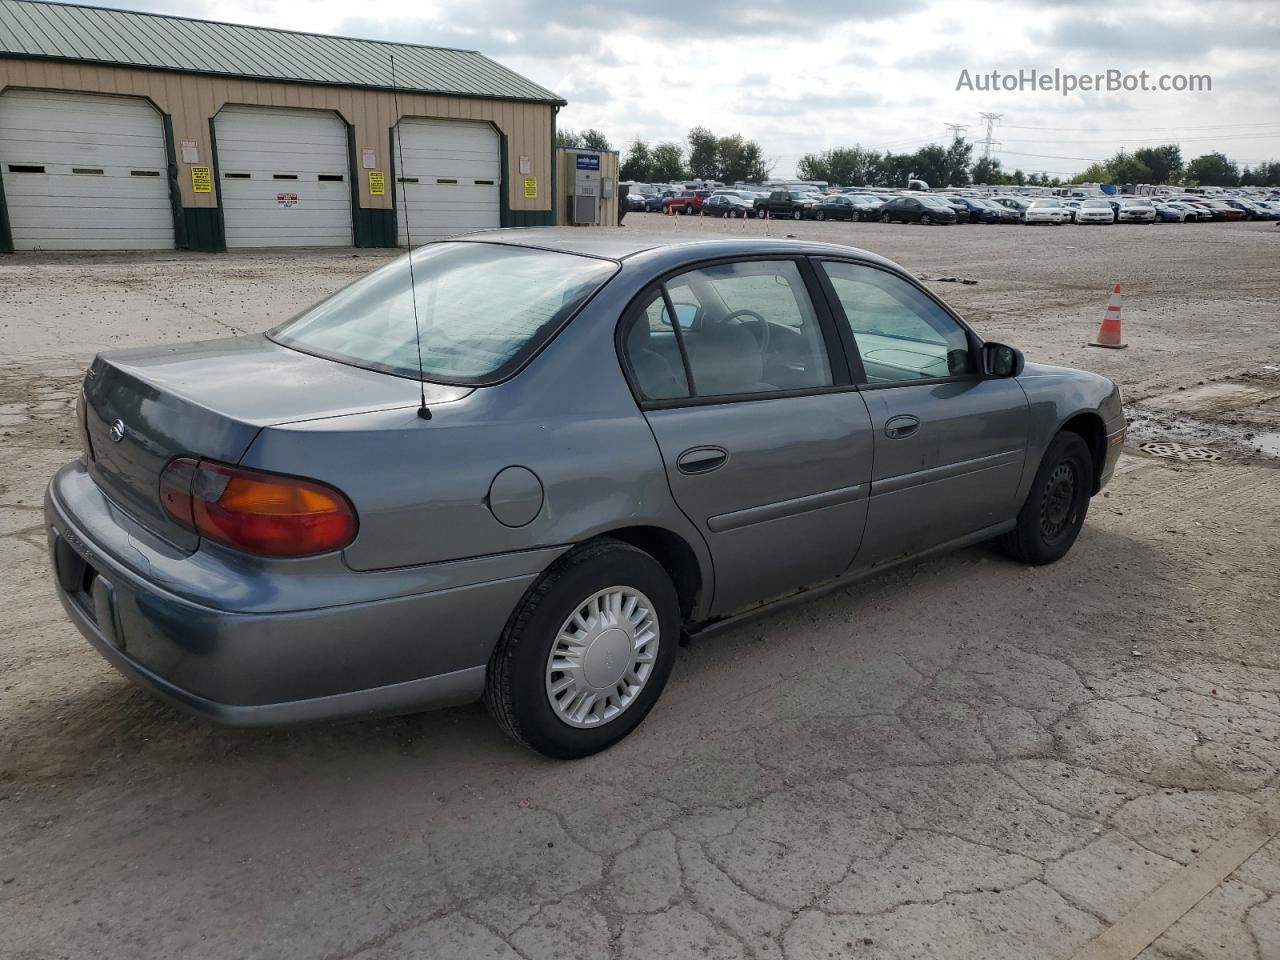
953 166
729 159
1164 165
702 156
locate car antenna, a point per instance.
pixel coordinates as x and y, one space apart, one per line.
423 412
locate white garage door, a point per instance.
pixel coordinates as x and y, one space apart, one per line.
284 177
449 178
84 172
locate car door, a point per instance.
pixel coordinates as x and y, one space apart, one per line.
950 445
766 442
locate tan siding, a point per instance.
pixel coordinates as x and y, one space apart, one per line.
193 98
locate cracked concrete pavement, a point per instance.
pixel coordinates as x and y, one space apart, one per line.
962 759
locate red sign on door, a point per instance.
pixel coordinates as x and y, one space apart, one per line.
287 199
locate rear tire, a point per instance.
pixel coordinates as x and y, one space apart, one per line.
884 218
520 673
1055 509
797 214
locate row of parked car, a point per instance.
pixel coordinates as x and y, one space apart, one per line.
858 204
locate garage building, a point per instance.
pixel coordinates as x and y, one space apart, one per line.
134 131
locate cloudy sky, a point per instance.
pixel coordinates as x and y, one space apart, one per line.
829 73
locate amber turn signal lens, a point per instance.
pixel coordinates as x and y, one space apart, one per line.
268 514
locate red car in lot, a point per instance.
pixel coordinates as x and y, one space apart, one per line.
686 201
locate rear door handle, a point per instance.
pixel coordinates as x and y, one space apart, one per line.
701 460
903 425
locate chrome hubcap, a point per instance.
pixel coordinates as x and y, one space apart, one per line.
602 657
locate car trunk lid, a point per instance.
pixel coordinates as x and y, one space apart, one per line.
145 407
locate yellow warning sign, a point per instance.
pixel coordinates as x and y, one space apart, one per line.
530 187
377 184
202 179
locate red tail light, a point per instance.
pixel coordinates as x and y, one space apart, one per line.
264 513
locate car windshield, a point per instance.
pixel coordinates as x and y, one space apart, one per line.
482 310
1045 203
1135 203
934 201
1095 203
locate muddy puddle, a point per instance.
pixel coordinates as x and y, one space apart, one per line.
1146 424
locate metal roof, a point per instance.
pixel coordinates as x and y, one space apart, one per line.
126 38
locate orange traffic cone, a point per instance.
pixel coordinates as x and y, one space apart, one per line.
1109 331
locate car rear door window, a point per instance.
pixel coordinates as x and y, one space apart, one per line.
901 333
652 353
741 328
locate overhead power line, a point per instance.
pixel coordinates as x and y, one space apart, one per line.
1229 137
1229 126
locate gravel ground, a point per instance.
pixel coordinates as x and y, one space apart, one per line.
962 759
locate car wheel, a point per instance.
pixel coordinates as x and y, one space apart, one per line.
855 217
587 653
925 219
1054 512
819 215
797 214
884 218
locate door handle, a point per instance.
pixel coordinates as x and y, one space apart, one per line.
901 426
701 460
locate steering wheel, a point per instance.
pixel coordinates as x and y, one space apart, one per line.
757 326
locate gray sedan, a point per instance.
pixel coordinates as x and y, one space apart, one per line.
524 465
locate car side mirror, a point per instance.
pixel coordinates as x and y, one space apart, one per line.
1000 361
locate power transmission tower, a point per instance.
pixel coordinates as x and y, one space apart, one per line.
956 130
988 142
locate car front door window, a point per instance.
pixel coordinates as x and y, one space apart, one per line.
901 334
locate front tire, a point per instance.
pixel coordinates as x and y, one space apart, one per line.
797 214
1055 509
587 653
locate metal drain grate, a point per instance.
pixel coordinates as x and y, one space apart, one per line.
1179 451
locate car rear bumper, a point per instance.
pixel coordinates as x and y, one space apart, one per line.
378 654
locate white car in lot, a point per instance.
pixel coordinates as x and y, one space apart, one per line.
1136 210
1095 211
1047 210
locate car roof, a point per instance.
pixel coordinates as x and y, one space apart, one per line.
620 243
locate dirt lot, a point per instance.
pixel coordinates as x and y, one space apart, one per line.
964 759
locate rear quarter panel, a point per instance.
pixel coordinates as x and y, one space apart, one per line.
420 487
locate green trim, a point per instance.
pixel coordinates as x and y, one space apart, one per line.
391 180
6 232
203 229
504 192
532 218
175 192
357 233
215 229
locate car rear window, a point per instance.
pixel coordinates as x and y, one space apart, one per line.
482 310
